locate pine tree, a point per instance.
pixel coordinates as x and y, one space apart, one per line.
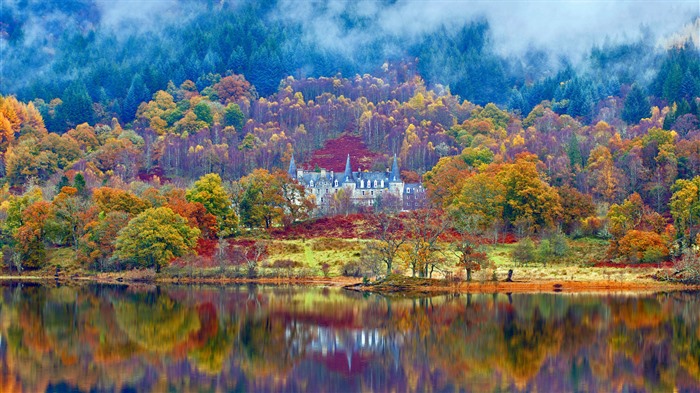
636 107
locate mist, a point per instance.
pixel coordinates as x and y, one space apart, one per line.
561 28
47 45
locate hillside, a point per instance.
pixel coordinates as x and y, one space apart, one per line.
333 155
196 131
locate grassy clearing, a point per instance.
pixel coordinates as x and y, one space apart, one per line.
303 258
63 258
312 254
500 254
582 252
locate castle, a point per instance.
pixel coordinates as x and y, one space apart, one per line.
365 189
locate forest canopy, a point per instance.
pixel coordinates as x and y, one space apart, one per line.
101 125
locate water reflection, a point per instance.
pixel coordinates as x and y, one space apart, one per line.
248 338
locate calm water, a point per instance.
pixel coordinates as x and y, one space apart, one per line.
246 338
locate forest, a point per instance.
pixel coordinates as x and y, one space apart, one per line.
118 150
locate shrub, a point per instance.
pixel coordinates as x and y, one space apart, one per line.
560 245
594 227
287 265
352 269
688 266
524 251
544 251
325 269
644 246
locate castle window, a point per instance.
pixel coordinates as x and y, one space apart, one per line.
311 183
375 184
372 192
336 183
363 193
362 184
382 183
408 191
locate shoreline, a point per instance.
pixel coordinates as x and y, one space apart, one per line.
408 285
534 287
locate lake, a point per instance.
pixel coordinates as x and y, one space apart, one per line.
313 339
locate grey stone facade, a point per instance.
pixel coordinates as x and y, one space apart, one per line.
366 189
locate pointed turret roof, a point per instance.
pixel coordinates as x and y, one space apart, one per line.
347 176
292 168
395 174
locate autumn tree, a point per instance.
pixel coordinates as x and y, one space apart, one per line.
112 199
479 206
210 192
261 202
685 208
468 242
197 216
389 238
471 257
642 246
96 246
625 216
444 181
341 203
297 203
604 176
71 214
424 227
155 237
232 88
31 235
575 206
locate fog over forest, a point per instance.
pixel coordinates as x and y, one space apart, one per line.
537 38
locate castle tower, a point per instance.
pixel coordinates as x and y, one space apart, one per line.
347 176
395 183
395 175
292 169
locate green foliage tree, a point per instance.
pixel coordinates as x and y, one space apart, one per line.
637 105
79 183
525 251
203 112
156 236
233 116
77 105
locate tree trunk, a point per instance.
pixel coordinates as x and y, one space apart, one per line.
469 275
